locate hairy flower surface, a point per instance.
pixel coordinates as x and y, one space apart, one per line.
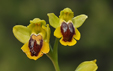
35 38
66 26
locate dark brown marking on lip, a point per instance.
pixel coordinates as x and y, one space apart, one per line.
34 46
67 31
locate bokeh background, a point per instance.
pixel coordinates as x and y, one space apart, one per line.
96 34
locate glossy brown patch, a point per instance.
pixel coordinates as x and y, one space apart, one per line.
67 31
35 44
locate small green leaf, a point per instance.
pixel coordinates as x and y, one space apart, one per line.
87 66
22 33
53 20
79 20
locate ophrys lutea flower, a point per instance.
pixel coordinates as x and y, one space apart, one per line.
35 38
66 26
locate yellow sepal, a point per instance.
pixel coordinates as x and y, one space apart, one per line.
66 14
22 33
36 21
79 20
53 20
36 25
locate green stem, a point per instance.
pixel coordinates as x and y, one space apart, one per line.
53 55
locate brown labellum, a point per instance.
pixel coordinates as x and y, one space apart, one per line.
67 31
35 44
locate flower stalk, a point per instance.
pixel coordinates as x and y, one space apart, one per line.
53 55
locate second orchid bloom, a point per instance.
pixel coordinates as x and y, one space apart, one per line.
66 26
35 38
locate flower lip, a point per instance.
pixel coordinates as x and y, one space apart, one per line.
67 30
35 44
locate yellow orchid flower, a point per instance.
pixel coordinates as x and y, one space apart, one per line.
35 38
66 26
87 66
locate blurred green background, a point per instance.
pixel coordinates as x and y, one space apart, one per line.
96 34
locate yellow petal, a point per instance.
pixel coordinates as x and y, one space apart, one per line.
26 50
45 48
48 32
77 34
71 43
58 33
87 66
